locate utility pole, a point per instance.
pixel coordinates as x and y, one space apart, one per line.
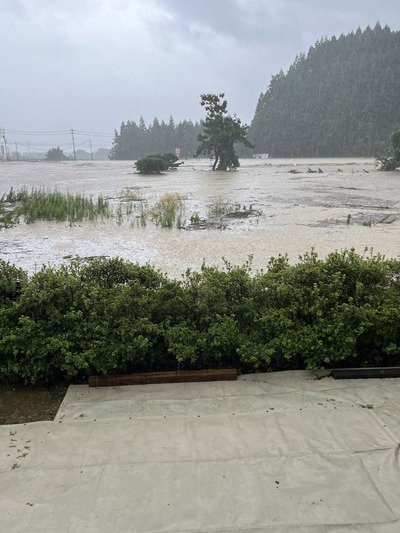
7 153
29 150
371 125
91 153
16 151
2 154
73 143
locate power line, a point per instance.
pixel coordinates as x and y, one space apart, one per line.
60 132
78 132
61 138
23 132
62 144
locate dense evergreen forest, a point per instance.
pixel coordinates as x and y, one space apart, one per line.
340 99
135 141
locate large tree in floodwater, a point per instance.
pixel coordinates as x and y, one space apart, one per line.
391 161
221 132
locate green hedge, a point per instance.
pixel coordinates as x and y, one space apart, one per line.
110 316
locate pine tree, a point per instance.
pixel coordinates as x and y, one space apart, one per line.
221 132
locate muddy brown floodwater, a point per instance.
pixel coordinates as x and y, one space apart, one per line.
280 206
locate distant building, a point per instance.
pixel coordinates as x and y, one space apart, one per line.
261 156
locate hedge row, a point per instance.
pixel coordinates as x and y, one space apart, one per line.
111 316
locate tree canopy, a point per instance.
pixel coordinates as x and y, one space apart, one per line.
56 154
391 161
340 99
155 164
221 132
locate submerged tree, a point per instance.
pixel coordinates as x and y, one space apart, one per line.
56 154
221 132
391 160
155 164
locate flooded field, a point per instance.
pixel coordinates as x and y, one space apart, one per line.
265 208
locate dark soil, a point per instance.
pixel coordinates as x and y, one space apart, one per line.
20 404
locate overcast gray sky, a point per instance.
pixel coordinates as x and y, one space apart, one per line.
90 64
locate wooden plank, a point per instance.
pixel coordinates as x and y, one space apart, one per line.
366 373
146 378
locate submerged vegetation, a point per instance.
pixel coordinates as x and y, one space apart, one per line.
167 212
155 164
391 161
39 204
109 316
219 207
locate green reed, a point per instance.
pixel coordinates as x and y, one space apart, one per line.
168 210
41 204
219 207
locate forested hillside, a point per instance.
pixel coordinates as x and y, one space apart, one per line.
135 141
340 99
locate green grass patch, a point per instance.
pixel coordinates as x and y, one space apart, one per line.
41 204
168 211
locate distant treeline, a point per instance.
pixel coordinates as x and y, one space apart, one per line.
341 99
136 141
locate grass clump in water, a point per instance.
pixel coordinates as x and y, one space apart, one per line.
220 207
130 195
388 219
7 206
168 210
40 204
14 196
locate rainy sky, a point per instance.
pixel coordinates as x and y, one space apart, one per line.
90 64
